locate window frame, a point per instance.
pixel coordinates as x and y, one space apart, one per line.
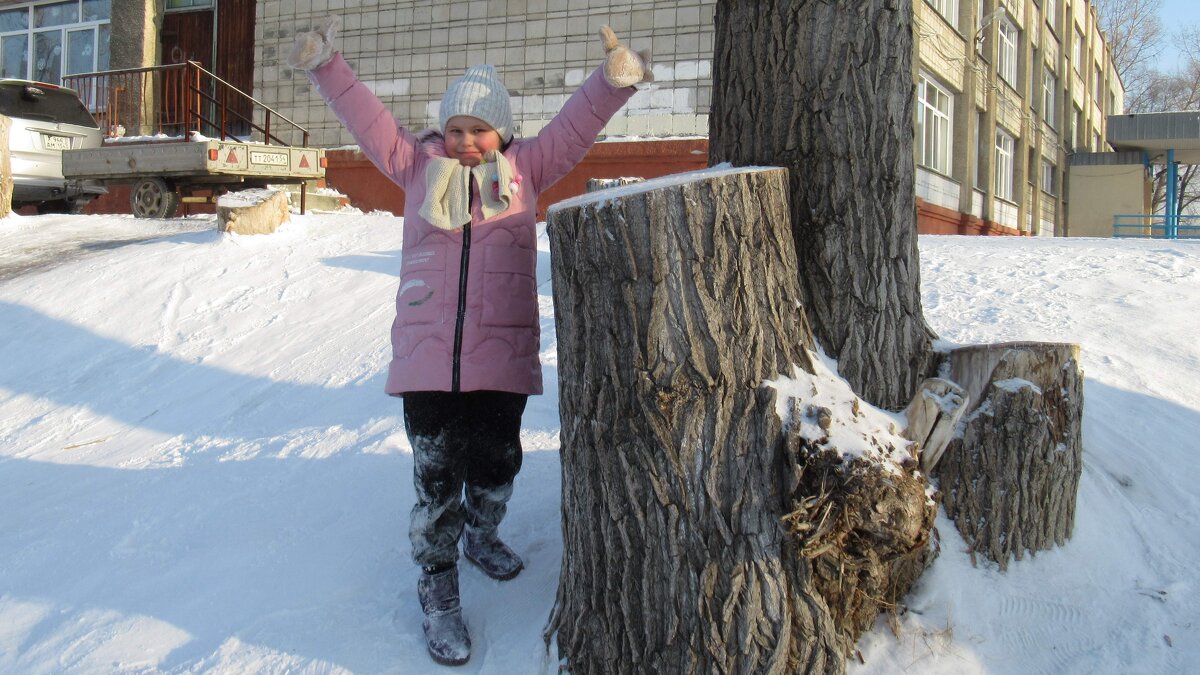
1007 52
1049 97
948 9
935 126
97 31
171 6
1077 50
1003 166
1047 182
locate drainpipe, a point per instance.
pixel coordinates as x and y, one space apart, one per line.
1172 217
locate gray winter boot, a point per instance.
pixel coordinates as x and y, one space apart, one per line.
484 548
445 633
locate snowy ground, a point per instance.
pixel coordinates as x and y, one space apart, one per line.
199 472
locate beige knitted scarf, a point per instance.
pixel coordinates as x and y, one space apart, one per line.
448 190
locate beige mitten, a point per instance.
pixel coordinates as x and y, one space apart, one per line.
624 67
314 48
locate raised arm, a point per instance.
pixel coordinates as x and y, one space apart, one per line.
566 139
381 138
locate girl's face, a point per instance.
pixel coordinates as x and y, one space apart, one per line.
468 138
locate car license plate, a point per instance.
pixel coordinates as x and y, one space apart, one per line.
56 142
269 158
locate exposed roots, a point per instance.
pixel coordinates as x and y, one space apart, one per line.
868 529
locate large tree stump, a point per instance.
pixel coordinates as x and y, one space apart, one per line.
675 300
1011 478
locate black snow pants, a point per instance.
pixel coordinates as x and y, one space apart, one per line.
468 439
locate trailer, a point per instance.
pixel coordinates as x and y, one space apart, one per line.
163 174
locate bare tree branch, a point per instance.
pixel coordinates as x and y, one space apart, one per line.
1134 32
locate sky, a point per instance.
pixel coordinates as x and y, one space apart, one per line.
200 472
1177 14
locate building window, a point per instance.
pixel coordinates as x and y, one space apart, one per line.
44 42
947 8
1049 87
1004 165
188 4
1099 82
981 40
1006 58
1052 14
1076 136
1077 54
980 150
934 128
1047 177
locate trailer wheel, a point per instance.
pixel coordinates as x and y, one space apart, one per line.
153 198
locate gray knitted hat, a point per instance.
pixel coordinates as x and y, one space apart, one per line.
478 93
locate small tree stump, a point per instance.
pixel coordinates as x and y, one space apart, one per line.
1011 478
253 211
6 177
688 498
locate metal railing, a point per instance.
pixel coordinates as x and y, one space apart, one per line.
1128 225
177 100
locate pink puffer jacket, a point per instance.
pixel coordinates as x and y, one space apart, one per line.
467 308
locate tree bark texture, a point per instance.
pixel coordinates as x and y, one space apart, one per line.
1011 479
824 88
673 305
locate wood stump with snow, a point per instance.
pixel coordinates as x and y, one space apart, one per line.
6 177
724 509
594 184
253 211
1011 477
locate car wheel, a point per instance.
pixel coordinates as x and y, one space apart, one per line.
153 198
61 206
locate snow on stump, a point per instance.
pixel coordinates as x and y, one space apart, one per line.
254 211
933 419
594 184
1011 478
708 501
6 178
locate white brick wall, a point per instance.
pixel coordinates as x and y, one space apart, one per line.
408 52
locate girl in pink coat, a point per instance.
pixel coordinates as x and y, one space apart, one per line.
465 340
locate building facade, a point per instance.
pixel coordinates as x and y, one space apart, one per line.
409 51
1005 90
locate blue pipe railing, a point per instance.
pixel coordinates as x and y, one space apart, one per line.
1128 225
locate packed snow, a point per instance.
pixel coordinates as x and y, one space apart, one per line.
199 471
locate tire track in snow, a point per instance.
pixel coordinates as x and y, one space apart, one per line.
169 335
1056 630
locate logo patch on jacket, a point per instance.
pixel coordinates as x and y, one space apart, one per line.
416 283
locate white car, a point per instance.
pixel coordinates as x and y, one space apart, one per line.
47 119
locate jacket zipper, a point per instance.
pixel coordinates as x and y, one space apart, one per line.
456 371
